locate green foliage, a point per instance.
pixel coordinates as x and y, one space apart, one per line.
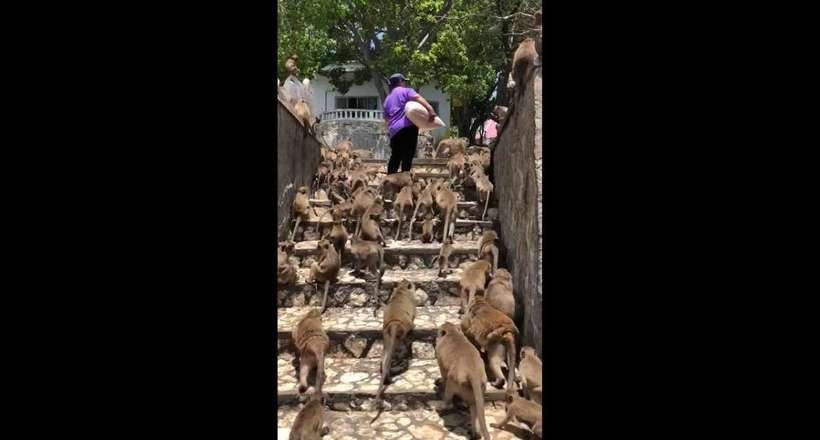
463 45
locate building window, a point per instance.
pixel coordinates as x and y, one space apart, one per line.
358 102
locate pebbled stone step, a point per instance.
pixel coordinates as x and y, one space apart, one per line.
350 291
388 202
413 421
461 224
416 161
342 322
347 379
407 248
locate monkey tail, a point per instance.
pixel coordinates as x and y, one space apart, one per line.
478 397
389 344
509 339
381 271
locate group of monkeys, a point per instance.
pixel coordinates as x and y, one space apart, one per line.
486 291
343 179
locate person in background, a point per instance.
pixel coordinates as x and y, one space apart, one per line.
490 130
403 133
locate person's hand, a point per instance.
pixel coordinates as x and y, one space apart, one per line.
432 116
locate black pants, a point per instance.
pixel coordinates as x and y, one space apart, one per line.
403 149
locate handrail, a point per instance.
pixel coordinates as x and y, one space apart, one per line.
356 114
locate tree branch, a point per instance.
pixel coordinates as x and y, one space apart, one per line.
448 4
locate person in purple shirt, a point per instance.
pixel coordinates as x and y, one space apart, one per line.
403 133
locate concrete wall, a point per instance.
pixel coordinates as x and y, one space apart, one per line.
297 160
369 135
517 178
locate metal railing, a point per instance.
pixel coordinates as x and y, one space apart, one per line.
358 114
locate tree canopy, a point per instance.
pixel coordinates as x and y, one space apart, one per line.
465 46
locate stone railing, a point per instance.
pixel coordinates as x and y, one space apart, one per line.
365 115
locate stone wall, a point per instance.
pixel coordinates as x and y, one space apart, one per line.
368 135
297 160
517 177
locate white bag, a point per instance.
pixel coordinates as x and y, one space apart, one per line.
420 118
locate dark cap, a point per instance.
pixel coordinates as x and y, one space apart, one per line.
396 77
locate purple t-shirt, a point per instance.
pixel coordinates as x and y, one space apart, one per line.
394 109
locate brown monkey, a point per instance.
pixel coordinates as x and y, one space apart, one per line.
403 201
301 208
327 269
499 293
488 249
462 373
472 281
537 19
485 188
302 111
427 228
392 183
519 410
447 202
362 200
444 257
309 423
456 166
398 323
311 343
425 200
500 113
338 234
493 332
286 272
290 65
523 61
370 255
323 174
369 228
529 373
345 145
450 146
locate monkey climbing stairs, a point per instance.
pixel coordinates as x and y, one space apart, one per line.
352 366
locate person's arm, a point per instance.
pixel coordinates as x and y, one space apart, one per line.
420 99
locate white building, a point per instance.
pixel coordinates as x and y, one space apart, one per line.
362 107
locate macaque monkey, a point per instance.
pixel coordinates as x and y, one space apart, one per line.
345 145
425 200
327 269
302 111
403 201
462 373
456 166
398 323
519 409
494 333
488 249
308 424
444 257
472 281
370 255
392 183
500 113
530 369
311 343
427 228
362 200
523 61
369 228
484 188
291 66
301 208
286 272
450 146
499 293
447 203
338 233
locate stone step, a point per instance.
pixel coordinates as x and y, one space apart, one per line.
461 224
411 421
351 291
348 379
388 202
394 248
341 322
416 161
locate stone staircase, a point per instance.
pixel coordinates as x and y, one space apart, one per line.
413 407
